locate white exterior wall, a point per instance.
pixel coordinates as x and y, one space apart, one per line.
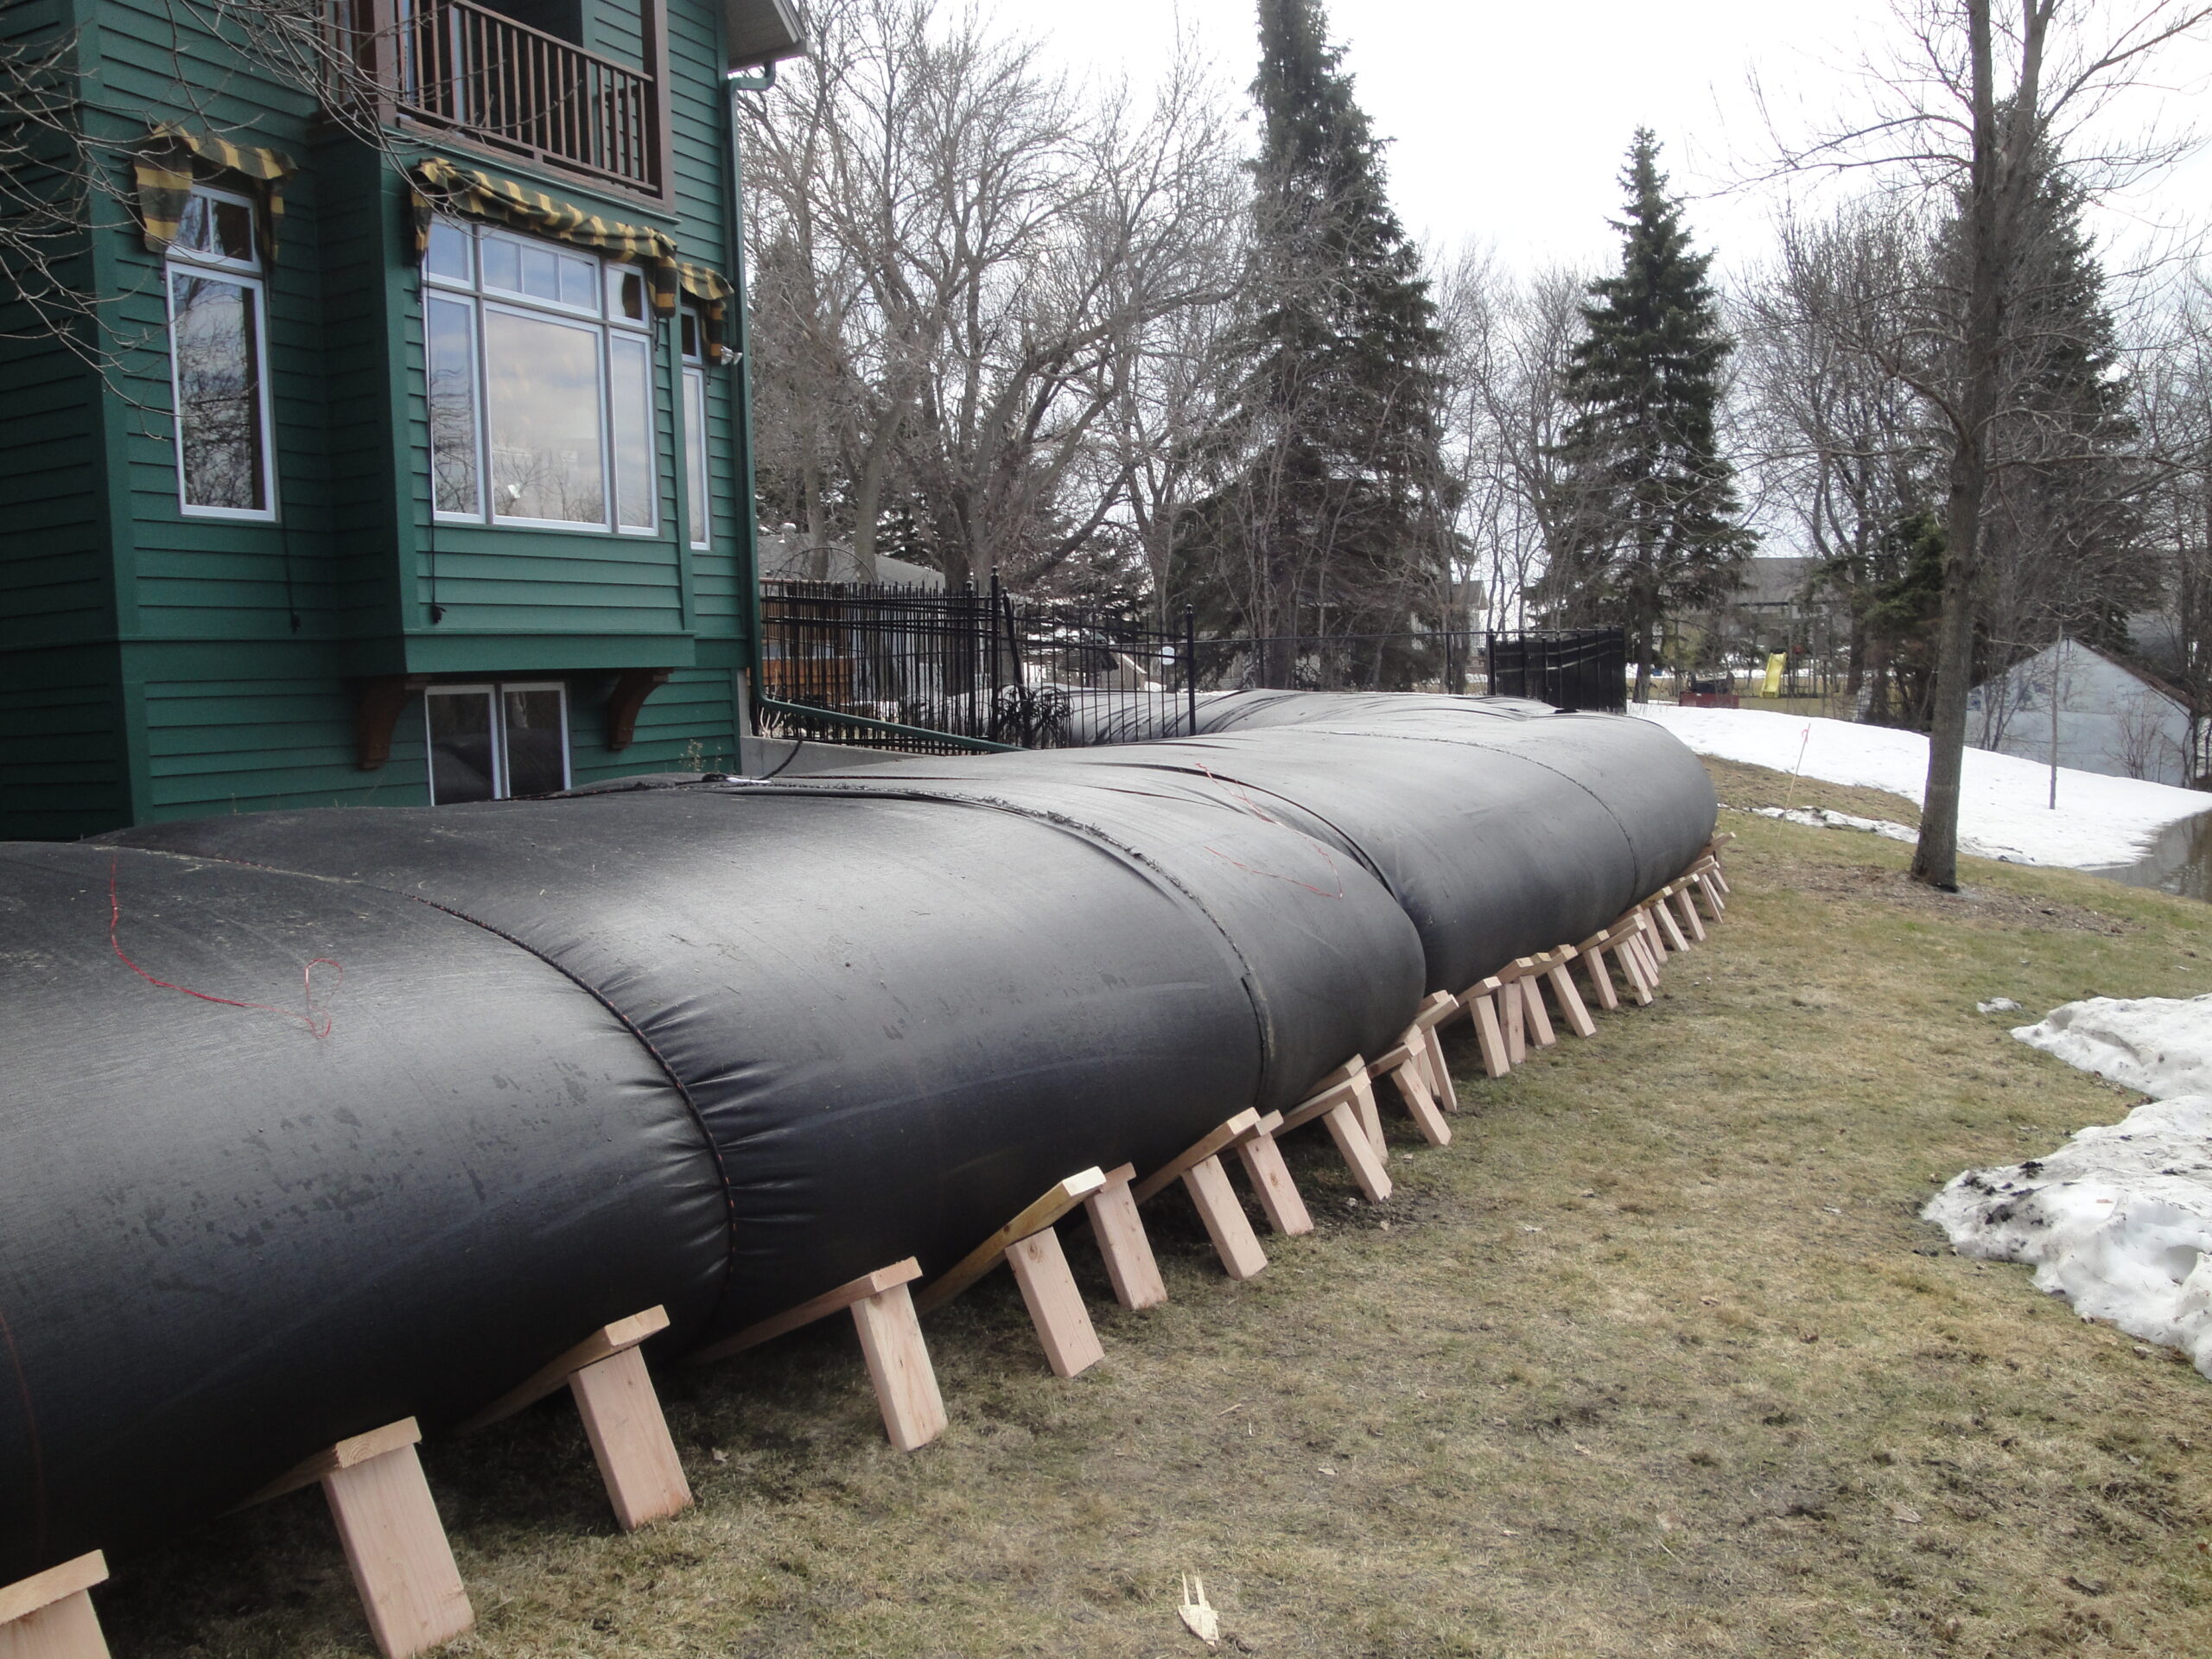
2109 720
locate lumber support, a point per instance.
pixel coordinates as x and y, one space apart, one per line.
1592 950
1692 923
395 1544
613 1393
1119 1230
1055 1305
1436 1009
1405 1065
1270 1178
50 1614
1335 1102
891 1341
1571 1008
1032 1249
1481 1002
1199 1167
1529 980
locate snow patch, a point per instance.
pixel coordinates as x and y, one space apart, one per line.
1819 817
2160 1044
2118 1220
2003 807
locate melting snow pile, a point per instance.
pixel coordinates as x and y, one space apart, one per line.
2003 799
2118 1220
1820 818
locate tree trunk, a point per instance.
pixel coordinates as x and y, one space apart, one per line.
1935 858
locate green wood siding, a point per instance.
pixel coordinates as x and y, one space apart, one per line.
160 666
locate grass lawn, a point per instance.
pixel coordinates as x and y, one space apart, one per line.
1656 1358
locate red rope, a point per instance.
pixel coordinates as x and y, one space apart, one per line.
1253 806
317 1027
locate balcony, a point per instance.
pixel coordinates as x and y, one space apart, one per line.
472 70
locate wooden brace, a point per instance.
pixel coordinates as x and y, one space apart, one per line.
1029 1246
621 1414
1119 1230
1199 1167
50 1614
891 1340
395 1545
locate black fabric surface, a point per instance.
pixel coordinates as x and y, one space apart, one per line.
226 1242
717 1046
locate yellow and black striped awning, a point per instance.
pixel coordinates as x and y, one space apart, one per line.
441 187
173 157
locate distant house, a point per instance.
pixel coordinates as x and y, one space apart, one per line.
2111 717
787 556
408 458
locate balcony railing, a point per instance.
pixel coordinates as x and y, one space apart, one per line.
465 68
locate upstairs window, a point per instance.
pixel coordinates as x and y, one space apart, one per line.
539 366
492 743
218 359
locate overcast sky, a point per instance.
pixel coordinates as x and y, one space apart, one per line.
1510 122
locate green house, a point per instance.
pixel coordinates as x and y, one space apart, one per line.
408 461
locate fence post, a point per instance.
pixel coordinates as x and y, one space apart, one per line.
1190 664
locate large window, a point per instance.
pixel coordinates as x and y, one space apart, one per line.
539 361
218 359
489 742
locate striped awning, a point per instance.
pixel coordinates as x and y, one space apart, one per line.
173 157
442 187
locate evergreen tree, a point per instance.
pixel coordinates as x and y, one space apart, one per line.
1330 516
2062 544
1657 534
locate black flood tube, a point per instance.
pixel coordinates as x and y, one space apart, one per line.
312 1120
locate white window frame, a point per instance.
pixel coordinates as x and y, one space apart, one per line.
700 535
247 274
604 322
502 788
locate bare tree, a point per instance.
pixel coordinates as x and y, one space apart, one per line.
1971 108
963 261
1507 411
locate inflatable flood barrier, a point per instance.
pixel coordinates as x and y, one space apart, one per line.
313 1121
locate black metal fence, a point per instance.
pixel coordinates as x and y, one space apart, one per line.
938 672
1581 669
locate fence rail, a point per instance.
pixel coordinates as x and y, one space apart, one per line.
936 672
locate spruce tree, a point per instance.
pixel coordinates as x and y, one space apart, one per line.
1657 533
1328 517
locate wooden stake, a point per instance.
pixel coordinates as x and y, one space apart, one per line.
1683 903
899 1365
1570 1000
891 1339
50 1614
1056 1308
1048 1288
1353 1146
1034 1218
395 1545
1337 1103
622 1417
1635 961
1119 1230
1592 952
1480 1000
1414 1091
1435 1009
1517 1020
1668 925
1233 1240
1270 1178
1539 1021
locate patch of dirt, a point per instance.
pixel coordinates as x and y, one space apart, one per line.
1969 904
